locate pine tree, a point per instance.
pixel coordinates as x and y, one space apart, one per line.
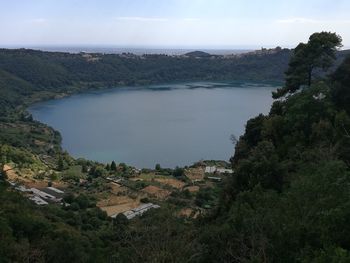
318 54
113 166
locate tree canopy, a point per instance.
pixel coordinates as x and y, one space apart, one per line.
318 54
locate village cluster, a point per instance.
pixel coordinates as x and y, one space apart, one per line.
119 199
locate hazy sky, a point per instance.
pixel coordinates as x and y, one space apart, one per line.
173 23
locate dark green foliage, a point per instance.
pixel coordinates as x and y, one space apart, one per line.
97 171
341 90
318 54
84 168
60 163
113 166
288 199
83 233
207 197
123 167
178 172
50 234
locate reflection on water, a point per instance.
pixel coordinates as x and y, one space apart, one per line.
175 124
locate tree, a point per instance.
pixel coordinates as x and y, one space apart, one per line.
178 172
318 53
158 167
84 168
113 166
124 167
341 85
97 171
60 164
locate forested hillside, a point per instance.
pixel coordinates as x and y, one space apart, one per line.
26 72
289 198
287 201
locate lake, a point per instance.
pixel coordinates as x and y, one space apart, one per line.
173 125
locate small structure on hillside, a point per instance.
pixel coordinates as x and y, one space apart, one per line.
37 200
115 179
56 193
40 196
214 178
130 214
214 169
50 194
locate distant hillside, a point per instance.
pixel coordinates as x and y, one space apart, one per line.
24 72
198 54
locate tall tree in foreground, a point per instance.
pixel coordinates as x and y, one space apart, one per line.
318 53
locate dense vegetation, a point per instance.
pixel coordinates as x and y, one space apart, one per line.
25 73
288 200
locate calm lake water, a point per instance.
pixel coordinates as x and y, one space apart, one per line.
174 125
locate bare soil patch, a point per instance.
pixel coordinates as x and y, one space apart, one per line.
192 189
156 192
117 204
195 174
117 188
172 182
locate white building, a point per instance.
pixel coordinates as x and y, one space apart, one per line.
214 169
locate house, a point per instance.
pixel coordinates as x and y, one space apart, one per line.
210 169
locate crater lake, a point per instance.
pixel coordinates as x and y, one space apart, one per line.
173 125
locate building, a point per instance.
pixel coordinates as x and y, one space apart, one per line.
40 196
214 169
52 191
130 214
224 171
37 200
49 194
210 169
213 178
22 188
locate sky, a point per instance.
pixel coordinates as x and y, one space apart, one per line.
170 23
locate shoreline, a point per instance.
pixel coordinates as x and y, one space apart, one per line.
182 86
